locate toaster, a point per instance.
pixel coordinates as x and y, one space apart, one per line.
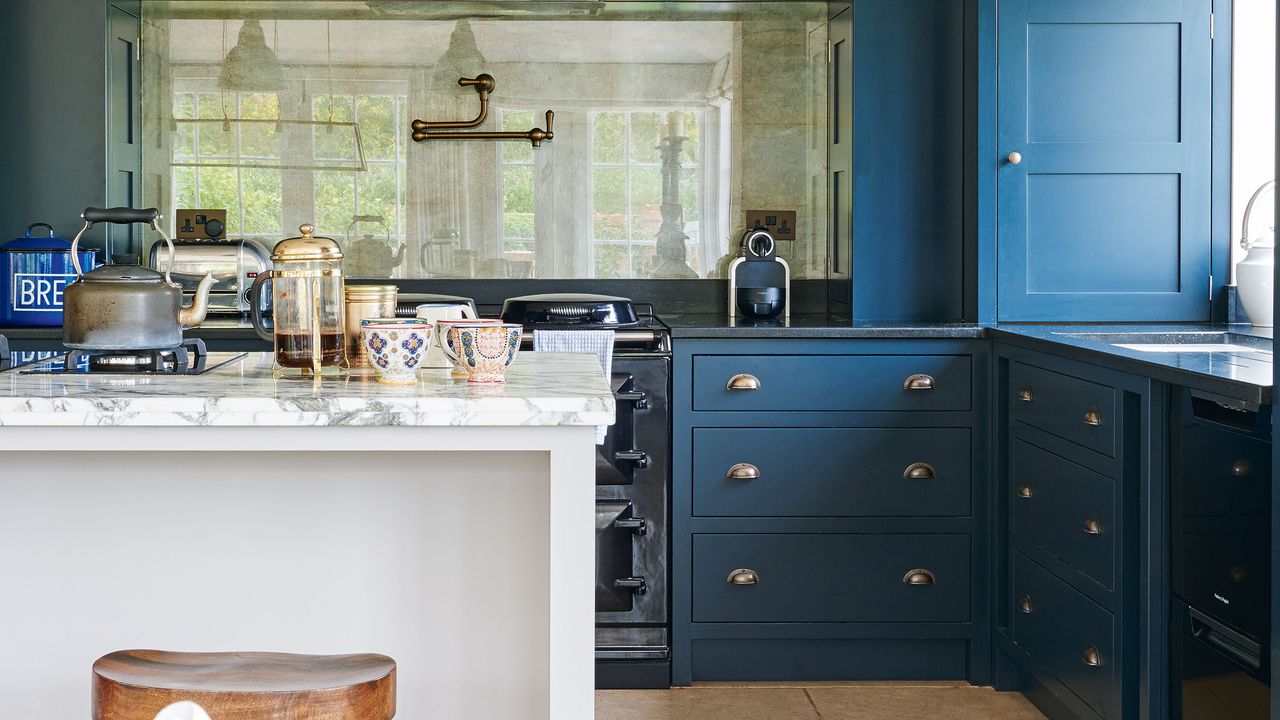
233 263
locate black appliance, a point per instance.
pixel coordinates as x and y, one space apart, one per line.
6 359
633 481
189 358
1220 530
759 281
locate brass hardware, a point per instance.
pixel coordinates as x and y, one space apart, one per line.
1024 491
919 381
1015 158
919 471
1242 468
1091 657
743 381
1024 605
484 84
1092 526
1025 394
1239 574
919 576
743 471
743 576
1093 417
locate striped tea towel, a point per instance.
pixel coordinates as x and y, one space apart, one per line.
599 342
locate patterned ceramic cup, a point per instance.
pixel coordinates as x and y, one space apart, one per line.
396 350
486 350
444 339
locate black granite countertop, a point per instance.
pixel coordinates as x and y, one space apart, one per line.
810 326
1237 374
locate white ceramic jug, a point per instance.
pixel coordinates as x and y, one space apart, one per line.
1255 274
433 311
185 710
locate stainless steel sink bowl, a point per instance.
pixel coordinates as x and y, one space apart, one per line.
1179 342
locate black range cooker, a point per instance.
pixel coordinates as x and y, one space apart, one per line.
633 480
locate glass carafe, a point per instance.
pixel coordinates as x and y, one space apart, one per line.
306 304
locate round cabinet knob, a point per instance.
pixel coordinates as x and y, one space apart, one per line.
919 471
743 381
743 471
1015 158
1025 395
743 576
1093 417
919 576
1024 605
1024 491
1091 657
1092 526
1239 574
919 381
1242 468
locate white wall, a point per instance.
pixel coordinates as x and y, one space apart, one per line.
1253 114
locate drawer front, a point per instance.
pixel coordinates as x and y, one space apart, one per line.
1078 410
1225 473
831 578
831 472
1067 633
832 382
1067 509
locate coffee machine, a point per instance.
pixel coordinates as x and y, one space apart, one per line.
759 281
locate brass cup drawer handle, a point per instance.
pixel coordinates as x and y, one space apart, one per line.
743 381
1024 605
743 576
1024 491
919 381
1093 417
919 576
1242 468
743 471
1092 526
1091 657
1025 395
919 471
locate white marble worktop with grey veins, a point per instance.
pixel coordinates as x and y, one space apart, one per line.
542 389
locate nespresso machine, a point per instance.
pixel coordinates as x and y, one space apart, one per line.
759 281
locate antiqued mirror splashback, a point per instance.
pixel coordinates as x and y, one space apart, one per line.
675 126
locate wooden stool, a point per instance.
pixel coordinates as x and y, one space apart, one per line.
137 684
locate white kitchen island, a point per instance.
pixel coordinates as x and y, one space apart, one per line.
448 525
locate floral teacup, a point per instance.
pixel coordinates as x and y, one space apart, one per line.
486 350
444 339
396 350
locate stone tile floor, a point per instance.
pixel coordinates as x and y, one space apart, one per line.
817 701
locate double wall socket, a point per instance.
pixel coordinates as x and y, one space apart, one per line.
780 223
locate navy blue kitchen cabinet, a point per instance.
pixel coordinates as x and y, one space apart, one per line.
829 510
1104 151
1079 520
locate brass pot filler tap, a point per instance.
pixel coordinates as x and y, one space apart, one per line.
484 84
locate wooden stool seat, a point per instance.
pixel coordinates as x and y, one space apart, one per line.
137 684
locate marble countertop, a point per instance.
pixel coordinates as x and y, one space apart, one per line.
1237 375
542 389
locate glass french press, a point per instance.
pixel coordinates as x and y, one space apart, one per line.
306 305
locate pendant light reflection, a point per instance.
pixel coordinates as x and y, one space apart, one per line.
251 65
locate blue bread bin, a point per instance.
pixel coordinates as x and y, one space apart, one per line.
33 273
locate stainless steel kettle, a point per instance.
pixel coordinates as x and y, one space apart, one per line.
127 307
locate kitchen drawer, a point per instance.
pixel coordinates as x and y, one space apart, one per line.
1227 472
831 472
832 382
831 578
1067 634
1078 410
1067 509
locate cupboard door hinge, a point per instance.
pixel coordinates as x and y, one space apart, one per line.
830 52
1210 26
137 49
1210 288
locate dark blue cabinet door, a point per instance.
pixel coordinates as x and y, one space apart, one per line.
1106 214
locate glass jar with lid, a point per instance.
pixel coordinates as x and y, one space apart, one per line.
308 328
362 303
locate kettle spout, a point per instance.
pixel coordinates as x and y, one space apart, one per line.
192 315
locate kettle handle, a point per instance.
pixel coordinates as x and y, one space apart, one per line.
255 306
122 216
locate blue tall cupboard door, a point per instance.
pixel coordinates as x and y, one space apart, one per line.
1104 135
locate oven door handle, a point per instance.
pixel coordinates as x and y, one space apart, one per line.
638 398
638 585
1225 640
637 525
638 458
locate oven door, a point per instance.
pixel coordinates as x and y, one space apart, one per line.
617 527
618 458
1216 672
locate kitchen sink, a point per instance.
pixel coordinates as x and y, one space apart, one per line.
1180 342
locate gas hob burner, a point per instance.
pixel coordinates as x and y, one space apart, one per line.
570 310
188 358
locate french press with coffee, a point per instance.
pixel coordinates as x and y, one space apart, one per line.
306 301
